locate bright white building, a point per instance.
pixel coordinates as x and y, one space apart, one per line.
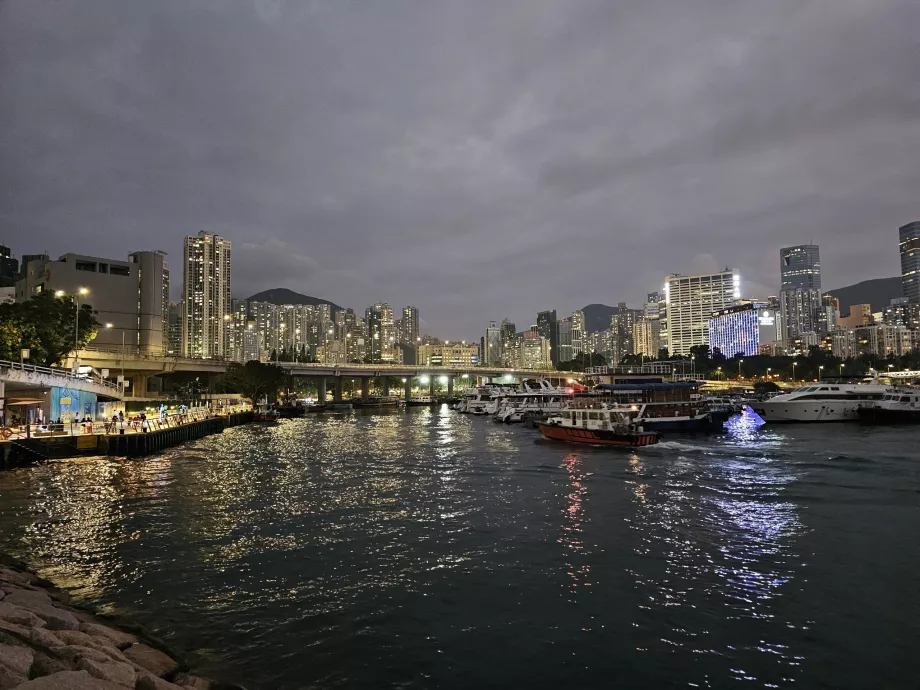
691 301
206 307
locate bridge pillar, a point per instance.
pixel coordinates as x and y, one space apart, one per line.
407 388
139 387
337 396
365 388
385 384
450 386
321 390
431 380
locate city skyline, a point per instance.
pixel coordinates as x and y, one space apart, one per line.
438 150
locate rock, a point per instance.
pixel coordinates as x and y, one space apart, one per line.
9 680
121 640
148 681
20 616
16 659
44 637
56 619
27 597
74 652
190 682
2 594
114 671
81 639
69 680
151 659
13 577
46 665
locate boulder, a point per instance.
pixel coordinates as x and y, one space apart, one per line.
69 680
27 597
16 659
151 659
2 594
148 681
55 619
114 671
190 682
119 639
20 616
81 639
9 679
44 637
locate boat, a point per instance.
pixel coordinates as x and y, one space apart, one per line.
267 417
672 406
902 406
829 401
290 411
607 425
421 401
477 401
533 401
376 401
338 406
316 408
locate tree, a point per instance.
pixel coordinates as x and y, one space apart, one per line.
762 387
45 324
252 380
580 363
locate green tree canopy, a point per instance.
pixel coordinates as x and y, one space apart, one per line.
45 324
253 379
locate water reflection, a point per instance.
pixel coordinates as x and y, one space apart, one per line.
573 516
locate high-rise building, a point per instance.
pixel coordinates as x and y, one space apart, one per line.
206 296
564 339
492 346
800 291
410 332
535 351
742 329
578 333
691 301
9 268
510 349
454 355
909 248
174 330
621 333
648 327
381 335
546 327
131 298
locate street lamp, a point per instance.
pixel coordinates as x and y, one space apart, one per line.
719 371
841 370
769 369
793 370
740 362
820 369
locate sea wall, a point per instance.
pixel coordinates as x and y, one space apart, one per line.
47 643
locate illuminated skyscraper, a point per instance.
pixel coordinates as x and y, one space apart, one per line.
206 296
909 248
800 291
690 303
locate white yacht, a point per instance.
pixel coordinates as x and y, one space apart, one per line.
479 401
541 400
821 402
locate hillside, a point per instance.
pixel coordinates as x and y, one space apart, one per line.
285 296
877 292
597 317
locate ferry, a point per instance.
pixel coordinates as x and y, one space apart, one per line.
421 401
376 401
607 425
821 402
902 406
676 406
533 401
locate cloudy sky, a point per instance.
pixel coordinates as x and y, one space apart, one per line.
475 158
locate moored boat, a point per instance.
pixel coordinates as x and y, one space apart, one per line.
829 401
422 401
676 406
376 401
899 407
605 426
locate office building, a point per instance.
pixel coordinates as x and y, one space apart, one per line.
510 348
409 331
131 298
742 329
800 291
492 345
902 312
546 327
690 301
206 296
381 334
448 355
9 268
578 333
564 339
909 248
535 351
622 324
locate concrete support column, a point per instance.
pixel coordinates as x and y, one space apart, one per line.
365 388
450 386
407 387
431 380
337 396
321 390
139 389
385 384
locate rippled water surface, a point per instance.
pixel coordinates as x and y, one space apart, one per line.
429 549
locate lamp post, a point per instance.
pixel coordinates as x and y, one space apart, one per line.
76 327
719 372
769 369
793 370
740 362
841 369
820 369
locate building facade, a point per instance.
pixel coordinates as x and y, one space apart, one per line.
535 351
456 355
510 350
206 296
742 329
691 301
546 327
800 291
578 333
909 249
130 298
492 345
564 339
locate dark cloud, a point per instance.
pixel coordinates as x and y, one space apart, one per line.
476 159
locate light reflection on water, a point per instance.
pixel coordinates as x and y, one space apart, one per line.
431 549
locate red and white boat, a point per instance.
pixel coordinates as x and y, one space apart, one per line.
605 425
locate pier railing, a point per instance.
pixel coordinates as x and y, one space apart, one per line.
59 373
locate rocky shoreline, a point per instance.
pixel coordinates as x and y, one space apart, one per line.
47 643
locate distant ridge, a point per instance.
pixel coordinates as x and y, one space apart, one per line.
878 292
597 317
285 296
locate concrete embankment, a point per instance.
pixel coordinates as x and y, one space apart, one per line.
48 644
17 452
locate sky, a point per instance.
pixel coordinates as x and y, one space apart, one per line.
478 159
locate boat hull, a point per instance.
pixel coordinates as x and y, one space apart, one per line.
794 412
598 436
881 415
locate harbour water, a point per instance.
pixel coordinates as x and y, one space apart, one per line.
428 549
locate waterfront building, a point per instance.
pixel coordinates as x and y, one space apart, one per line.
448 355
535 351
546 327
909 249
132 295
578 333
206 296
9 268
690 301
492 345
800 290
564 339
742 329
